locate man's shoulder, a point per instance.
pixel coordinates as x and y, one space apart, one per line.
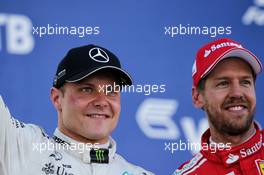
137 169
262 131
191 166
30 133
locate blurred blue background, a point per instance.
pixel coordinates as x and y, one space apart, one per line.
153 42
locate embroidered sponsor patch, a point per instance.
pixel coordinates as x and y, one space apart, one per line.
189 165
260 165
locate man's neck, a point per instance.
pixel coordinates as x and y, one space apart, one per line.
233 140
79 138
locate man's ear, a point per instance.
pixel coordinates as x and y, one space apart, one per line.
55 98
197 98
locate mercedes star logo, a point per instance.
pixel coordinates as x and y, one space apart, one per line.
99 55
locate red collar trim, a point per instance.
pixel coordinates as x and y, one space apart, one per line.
227 156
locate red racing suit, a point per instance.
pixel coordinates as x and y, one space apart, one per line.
244 159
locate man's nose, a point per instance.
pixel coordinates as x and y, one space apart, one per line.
100 100
236 90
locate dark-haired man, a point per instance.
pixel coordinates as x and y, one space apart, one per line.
224 76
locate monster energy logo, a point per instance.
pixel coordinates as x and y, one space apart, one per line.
99 155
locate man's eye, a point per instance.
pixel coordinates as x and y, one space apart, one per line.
246 82
222 84
111 91
87 89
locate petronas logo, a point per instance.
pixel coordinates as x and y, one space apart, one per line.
99 155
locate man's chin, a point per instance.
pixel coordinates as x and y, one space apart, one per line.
236 129
97 138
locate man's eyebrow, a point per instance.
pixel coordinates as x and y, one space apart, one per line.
247 77
227 78
85 84
221 78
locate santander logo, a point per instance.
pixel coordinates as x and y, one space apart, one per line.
232 158
214 47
